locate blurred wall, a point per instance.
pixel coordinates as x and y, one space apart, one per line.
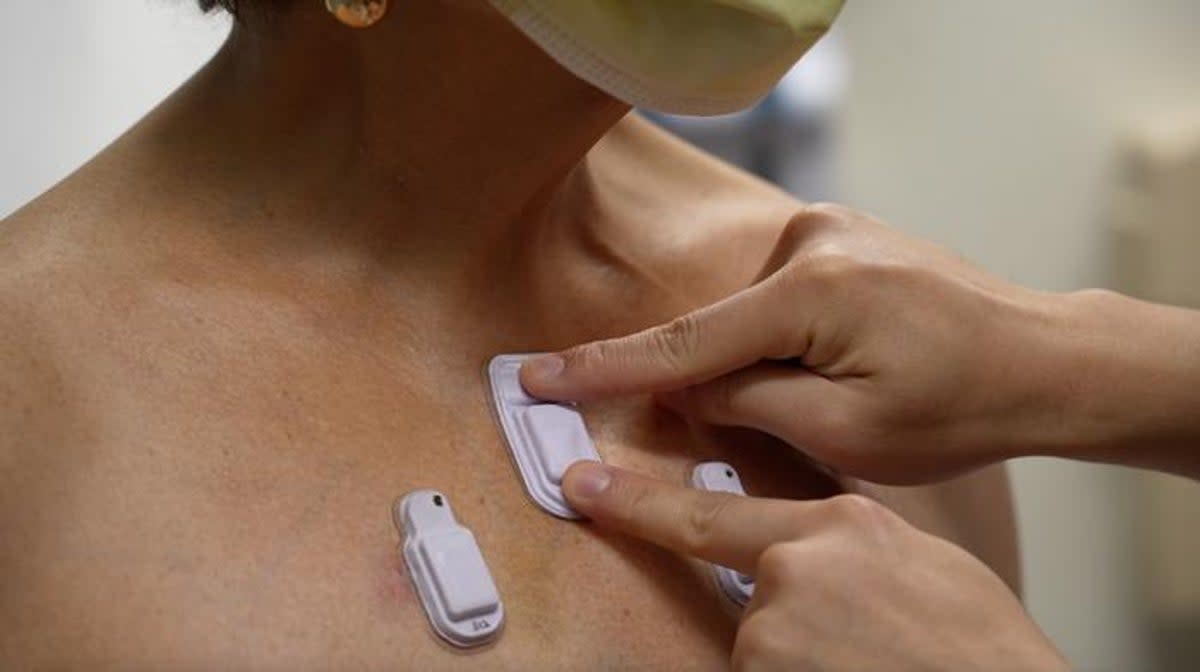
993 127
74 74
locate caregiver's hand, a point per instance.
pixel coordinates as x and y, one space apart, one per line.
841 584
890 359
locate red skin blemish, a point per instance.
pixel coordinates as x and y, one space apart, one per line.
395 588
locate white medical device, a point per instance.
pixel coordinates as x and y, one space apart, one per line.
722 477
544 437
448 571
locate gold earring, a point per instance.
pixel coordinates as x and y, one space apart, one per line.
357 13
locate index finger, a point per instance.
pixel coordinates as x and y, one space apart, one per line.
728 335
726 529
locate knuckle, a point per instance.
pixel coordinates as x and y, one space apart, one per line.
586 357
822 217
827 211
825 269
862 513
778 564
796 235
676 341
799 228
702 522
795 232
834 266
756 644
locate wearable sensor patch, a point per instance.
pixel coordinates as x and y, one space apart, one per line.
544 437
448 570
722 477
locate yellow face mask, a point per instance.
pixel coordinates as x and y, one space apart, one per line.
678 56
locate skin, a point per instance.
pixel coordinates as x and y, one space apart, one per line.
234 338
931 605
890 359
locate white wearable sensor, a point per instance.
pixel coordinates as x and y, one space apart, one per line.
448 570
544 437
721 477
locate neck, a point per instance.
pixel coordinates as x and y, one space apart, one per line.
438 128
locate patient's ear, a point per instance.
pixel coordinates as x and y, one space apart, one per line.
358 13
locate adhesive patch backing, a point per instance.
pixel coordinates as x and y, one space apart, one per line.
544 437
448 571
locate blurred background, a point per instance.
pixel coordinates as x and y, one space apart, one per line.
1056 144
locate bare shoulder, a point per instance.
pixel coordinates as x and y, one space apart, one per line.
42 281
47 420
709 225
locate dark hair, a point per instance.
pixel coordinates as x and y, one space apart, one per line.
227 5
249 6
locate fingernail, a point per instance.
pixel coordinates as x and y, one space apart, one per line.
543 367
588 480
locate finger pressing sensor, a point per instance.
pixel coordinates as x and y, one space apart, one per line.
722 477
448 571
545 438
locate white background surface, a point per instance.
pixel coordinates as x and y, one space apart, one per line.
74 74
988 126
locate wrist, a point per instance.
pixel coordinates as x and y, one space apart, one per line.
1126 373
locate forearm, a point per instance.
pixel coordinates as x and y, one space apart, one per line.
1131 380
